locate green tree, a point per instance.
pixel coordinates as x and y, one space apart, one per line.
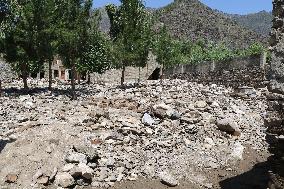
47 38
165 49
130 32
20 37
73 33
97 55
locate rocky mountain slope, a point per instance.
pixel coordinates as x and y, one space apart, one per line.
190 19
260 22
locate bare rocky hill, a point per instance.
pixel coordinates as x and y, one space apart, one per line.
190 19
260 22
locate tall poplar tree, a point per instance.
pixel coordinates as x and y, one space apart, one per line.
73 34
130 26
20 41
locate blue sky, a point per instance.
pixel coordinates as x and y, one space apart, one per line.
229 6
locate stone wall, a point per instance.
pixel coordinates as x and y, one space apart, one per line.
275 115
248 71
131 73
277 41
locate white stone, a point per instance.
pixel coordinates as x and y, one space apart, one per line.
168 179
147 120
64 180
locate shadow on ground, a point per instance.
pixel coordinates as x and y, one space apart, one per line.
35 91
256 178
3 143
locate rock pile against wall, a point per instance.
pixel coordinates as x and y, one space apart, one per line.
248 71
275 115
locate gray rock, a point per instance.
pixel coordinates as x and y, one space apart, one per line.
147 120
176 115
82 170
43 180
168 179
75 157
68 167
91 153
200 104
162 111
64 180
229 126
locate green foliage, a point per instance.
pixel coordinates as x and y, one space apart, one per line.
21 41
98 55
166 49
171 52
72 29
131 32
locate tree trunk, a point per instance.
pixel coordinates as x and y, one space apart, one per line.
89 78
123 75
73 81
0 88
50 75
79 78
139 77
162 75
25 76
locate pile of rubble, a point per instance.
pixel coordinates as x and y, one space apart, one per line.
170 131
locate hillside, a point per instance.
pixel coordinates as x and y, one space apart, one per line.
260 22
190 19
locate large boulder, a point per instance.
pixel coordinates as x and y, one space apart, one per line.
163 111
229 126
168 179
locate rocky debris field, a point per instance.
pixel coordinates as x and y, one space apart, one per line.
173 132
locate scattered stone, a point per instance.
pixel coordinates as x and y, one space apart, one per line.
43 180
64 180
74 157
147 120
163 111
229 126
82 170
168 179
115 146
11 178
53 174
68 167
200 104
238 150
38 174
175 116
91 153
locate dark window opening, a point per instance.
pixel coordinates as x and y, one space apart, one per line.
155 75
34 75
56 74
41 75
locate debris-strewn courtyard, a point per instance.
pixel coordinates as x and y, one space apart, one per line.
182 134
